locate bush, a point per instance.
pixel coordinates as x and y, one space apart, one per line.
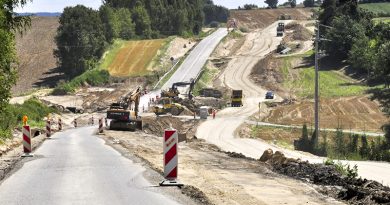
244 29
343 169
91 77
214 24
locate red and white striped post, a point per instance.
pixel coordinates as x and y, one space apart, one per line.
170 159
101 125
59 124
48 128
26 138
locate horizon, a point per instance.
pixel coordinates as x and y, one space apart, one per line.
50 6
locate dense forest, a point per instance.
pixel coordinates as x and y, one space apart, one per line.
84 33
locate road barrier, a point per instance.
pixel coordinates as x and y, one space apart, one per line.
170 159
101 125
27 141
59 124
48 128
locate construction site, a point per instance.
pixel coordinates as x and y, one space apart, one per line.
237 101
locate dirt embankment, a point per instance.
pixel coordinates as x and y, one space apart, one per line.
346 188
37 64
260 18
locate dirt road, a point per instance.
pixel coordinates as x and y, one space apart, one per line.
222 130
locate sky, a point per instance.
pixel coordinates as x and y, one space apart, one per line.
59 5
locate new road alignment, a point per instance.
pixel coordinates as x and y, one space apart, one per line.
192 65
222 130
76 167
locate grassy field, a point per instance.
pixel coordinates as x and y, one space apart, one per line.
205 79
377 8
332 83
131 58
382 19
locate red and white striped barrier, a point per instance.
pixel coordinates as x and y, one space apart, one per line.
27 141
170 159
59 124
101 125
48 128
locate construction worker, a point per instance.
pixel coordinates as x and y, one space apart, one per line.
75 122
92 120
105 120
214 113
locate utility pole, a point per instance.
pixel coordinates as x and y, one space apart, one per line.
316 92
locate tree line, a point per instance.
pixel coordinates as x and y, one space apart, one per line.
84 33
345 146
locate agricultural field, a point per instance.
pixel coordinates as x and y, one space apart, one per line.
131 58
377 8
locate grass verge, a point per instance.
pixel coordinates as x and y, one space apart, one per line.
34 109
91 77
205 79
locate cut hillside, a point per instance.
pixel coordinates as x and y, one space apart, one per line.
260 18
131 58
37 64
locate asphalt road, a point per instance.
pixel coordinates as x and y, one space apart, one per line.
76 167
193 64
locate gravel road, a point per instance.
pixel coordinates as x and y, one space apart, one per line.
222 130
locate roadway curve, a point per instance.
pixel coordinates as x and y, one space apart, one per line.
76 167
222 130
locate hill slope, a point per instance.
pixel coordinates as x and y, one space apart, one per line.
35 52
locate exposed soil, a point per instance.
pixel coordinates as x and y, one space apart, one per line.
356 113
214 177
37 64
260 18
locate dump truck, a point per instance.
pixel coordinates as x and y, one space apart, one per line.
236 98
124 113
280 29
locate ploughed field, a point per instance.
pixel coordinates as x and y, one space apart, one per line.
356 113
134 57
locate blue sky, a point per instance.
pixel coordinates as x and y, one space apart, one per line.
59 5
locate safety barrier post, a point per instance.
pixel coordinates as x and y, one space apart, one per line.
170 158
59 124
48 128
26 139
101 125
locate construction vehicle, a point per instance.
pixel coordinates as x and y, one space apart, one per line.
124 115
174 93
236 98
280 29
210 92
167 105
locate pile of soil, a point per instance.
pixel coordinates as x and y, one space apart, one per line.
157 125
352 190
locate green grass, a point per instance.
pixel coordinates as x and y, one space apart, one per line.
111 53
205 79
93 77
382 9
382 19
34 109
332 83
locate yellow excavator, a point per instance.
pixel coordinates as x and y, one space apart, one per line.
124 113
